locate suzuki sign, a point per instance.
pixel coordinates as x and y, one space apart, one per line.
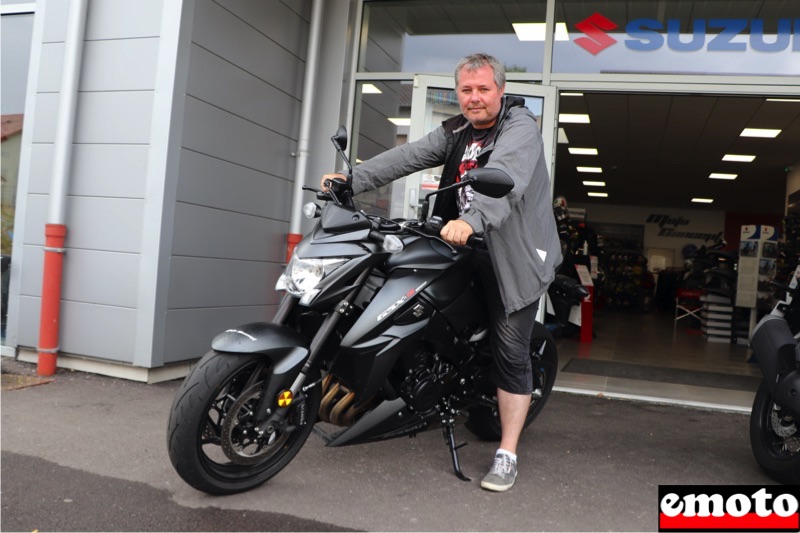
650 34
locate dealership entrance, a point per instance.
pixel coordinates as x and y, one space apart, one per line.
654 155
632 173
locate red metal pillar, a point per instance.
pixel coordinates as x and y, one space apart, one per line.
291 242
55 235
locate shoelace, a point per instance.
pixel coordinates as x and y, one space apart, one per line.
502 464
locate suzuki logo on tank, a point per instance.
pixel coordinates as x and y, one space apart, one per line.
713 35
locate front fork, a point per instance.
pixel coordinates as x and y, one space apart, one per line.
269 410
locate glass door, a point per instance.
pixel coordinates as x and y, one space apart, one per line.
434 100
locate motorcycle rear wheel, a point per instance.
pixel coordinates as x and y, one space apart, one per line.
774 438
484 422
210 434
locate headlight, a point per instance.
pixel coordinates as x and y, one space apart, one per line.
303 275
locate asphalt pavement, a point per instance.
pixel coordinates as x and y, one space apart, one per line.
88 453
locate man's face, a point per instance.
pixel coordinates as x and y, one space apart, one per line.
479 96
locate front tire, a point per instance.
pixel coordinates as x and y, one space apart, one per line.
210 434
484 422
774 438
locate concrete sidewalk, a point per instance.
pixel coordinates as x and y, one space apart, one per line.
97 445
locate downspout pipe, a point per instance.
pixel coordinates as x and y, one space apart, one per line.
55 227
302 154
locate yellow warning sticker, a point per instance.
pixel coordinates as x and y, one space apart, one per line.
285 398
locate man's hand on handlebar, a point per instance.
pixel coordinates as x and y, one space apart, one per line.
456 232
329 177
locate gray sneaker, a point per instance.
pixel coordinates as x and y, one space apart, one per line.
502 475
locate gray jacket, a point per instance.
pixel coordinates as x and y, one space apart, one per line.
520 228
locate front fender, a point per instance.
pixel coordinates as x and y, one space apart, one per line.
285 347
258 337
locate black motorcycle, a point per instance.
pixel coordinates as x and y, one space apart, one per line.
774 436
381 333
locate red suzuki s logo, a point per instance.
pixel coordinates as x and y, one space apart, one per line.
595 28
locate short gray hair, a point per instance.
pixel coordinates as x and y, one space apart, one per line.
476 61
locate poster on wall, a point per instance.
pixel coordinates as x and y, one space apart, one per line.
758 253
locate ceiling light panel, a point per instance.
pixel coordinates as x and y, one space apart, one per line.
594 170
759 132
594 183
721 176
598 194
369 88
583 151
739 158
703 200
569 118
535 31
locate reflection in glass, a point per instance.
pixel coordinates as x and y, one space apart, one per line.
431 36
378 111
16 31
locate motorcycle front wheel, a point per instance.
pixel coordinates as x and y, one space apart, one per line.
774 438
211 435
484 422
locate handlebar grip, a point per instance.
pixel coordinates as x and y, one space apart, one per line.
476 241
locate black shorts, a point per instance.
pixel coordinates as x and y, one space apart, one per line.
510 336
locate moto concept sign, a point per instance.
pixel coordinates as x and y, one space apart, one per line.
713 35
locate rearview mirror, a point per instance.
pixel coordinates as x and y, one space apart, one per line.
340 139
491 182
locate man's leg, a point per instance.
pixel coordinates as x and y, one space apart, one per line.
513 410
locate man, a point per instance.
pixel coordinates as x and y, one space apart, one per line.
520 232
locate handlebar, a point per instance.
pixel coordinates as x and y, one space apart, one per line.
476 240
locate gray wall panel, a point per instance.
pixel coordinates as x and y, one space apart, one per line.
111 170
93 330
227 86
221 283
30 309
192 330
235 40
212 131
106 19
36 216
215 183
240 125
105 278
98 330
205 232
119 64
102 117
110 224
274 19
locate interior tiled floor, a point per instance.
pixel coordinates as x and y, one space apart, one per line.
655 339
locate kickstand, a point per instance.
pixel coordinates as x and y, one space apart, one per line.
450 439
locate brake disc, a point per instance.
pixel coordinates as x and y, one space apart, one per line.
240 442
780 426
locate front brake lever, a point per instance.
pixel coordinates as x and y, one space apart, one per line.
433 237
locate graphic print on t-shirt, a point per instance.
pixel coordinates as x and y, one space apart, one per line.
468 162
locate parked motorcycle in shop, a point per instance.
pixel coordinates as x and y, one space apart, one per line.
381 333
774 420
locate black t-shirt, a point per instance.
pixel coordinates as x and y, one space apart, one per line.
469 161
